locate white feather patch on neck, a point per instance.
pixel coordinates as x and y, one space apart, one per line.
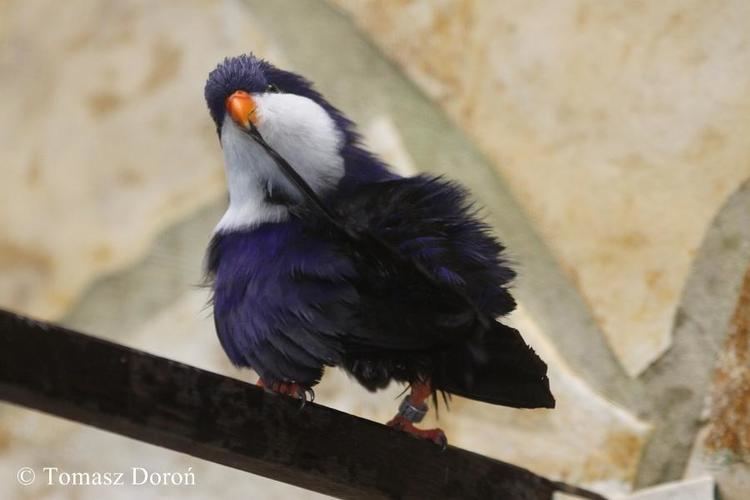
303 133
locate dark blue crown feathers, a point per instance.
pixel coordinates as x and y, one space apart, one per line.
254 75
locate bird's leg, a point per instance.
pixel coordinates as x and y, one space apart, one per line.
289 389
412 410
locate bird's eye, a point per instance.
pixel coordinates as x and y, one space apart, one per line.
272 88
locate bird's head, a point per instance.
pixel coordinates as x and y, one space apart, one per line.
293 118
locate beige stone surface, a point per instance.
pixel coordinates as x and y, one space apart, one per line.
620 126
104 135
382 137
700 488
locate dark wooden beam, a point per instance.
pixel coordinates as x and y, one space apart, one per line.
169 404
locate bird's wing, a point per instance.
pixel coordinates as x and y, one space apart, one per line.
431 221
428 272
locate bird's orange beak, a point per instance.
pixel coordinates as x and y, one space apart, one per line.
241 108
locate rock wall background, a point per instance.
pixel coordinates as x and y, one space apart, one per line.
606 141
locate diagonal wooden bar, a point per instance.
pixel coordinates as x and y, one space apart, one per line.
176 406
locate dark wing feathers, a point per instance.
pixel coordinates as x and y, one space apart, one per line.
430 220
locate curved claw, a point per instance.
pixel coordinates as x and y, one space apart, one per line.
305 394
301 395
310 394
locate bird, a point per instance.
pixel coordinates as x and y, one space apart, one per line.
326 257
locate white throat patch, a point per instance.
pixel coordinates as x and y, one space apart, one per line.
303 133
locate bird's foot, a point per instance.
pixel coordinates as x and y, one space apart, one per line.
412 410
291 389
402 423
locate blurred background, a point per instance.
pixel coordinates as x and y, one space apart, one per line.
607 141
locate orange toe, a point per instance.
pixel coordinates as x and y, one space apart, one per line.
291 389
437 436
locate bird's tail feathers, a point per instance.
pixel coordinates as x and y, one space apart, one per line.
500 368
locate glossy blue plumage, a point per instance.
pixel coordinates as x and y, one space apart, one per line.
294 296
278 294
